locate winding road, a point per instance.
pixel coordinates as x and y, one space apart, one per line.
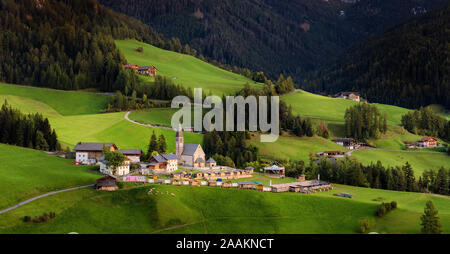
41 196
145 124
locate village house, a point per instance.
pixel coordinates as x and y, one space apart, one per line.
274 171
147 70
90 153
163 163
427 142
348 143
354 96
106 183
121 170
133 67
133 154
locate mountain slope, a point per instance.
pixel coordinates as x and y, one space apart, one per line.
290 37
66 44
408 65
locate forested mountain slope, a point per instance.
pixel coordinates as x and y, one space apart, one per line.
66 44
408 65
291 37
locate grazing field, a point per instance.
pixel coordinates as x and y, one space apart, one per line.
158 116
25 173
228 211
294 148
333 109
183 69
395 138
63 102
419 160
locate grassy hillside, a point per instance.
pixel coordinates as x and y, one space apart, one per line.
71 129
25 173
183 69
294 148
64 102
419 160
215 210
333 109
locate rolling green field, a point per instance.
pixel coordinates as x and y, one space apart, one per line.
25 173
419 160
64 102
294 148
183 69
110 127
215 210
333 109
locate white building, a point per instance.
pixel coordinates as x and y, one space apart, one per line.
124 169
134 155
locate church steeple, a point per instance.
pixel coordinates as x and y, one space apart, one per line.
179 142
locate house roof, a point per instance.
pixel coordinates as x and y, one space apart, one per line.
94 147
130 151
144 68
106 181
425 139
199 160
170 156
210 160
190 148
347 93
159 158
274 167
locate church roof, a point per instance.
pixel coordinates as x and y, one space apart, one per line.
190 148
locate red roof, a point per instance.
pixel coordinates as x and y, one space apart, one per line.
427 139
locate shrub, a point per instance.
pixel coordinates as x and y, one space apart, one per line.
381 210
140 49
26 219
394 204
363 226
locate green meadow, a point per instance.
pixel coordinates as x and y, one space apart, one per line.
25 173
183 69
333 109
64 102
108 127
419 160
212 210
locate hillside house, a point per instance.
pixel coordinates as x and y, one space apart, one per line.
122 170
274 171
133 67
427 142
90 153
354 96
134 155
106 183
348 143
147 70
163 163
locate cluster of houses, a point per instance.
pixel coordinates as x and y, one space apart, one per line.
143 70
426 142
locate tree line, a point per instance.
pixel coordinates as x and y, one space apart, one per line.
32 130
363 121
425 122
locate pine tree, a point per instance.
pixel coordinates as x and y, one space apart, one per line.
153 145
162 144
430 220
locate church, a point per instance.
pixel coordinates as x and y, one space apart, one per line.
189 154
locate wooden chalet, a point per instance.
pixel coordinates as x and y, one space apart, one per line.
106 183
427 142
147 70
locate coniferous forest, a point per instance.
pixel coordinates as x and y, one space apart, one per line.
32 130
67 44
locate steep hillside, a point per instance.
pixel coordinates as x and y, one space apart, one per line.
66 44
291 37
408 65
183 69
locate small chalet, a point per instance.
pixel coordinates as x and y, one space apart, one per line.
211 163
122 170
354 96
90 153
163 163
348 143
147 70
133 67
106 183
427 142
133 154
274 171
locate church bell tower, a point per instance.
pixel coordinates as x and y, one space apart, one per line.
179 142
